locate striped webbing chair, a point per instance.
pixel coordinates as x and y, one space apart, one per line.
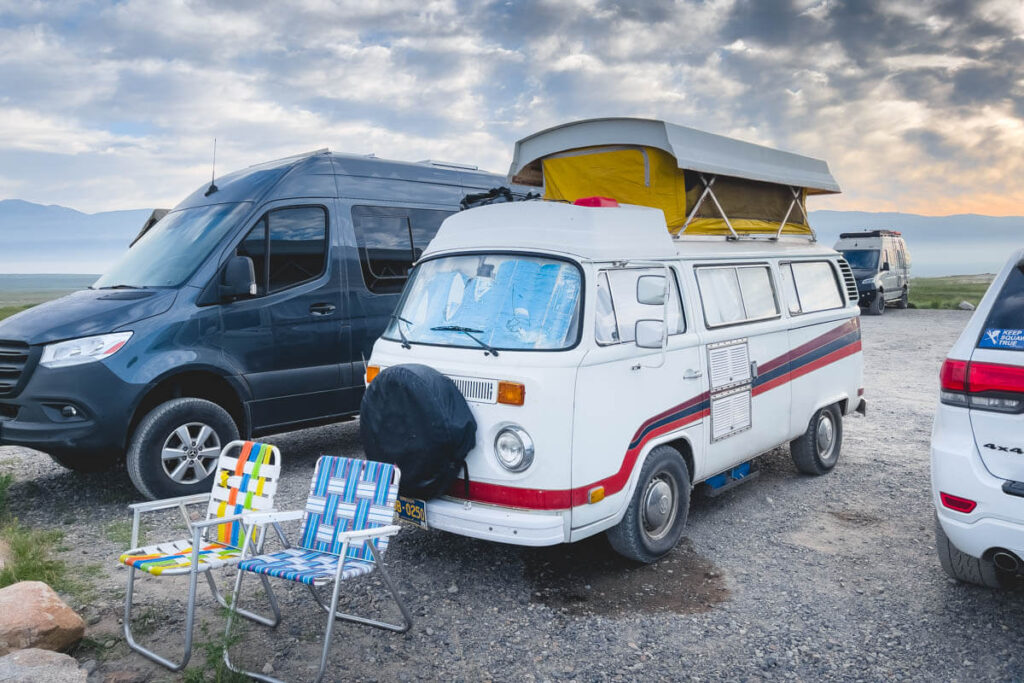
346 525
245 481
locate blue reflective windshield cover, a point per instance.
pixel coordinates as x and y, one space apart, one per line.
506 301
172 250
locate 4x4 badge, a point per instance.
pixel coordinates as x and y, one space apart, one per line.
1005 449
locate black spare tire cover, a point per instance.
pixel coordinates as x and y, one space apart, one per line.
416 418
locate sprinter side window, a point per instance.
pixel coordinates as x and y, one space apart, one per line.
736 294
390 239
287 247
817 286
618 310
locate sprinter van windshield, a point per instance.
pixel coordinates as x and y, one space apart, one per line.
174 248
861 259
497 302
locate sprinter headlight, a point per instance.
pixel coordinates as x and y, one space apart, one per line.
514 449
868 281
83 350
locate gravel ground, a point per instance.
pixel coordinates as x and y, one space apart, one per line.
785 577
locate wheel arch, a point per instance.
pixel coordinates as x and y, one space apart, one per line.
198 382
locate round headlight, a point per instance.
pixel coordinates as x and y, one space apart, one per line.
514 449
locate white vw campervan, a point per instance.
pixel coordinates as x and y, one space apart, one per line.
613 355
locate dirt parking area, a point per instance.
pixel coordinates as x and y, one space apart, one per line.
786 577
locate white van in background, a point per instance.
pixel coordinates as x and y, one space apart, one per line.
881 265
978 440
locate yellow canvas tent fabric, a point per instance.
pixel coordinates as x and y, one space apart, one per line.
648 176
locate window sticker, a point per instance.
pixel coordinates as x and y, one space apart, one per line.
996 338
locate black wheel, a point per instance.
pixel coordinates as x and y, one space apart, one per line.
654 521
87 463
816 451
174 450
877 305
967 568
904 301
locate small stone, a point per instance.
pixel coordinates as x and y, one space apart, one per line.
430 631
965 306
268 668
453 589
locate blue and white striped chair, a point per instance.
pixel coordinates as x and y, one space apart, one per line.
346 526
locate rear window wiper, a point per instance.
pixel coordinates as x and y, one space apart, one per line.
469 332
398 326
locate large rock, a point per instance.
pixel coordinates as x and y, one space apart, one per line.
35 666
35 616
965 306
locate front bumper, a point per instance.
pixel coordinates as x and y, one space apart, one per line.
495 523
102 401
998 519
866 295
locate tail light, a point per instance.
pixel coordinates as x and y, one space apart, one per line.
982 386
964 505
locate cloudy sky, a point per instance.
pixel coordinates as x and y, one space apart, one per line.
918 106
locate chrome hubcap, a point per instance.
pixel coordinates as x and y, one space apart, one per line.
659 506
190 453
825 436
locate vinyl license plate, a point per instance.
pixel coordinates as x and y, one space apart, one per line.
412 510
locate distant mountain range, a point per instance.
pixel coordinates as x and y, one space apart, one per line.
54 239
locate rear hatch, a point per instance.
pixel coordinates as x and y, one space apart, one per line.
995 382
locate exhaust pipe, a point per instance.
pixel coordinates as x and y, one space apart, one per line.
1007 561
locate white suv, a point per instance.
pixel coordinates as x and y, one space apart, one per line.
978 440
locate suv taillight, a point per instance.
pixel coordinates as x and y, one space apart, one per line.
982 386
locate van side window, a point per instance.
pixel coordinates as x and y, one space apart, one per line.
735 294
817 287
296 241
390 240
617 316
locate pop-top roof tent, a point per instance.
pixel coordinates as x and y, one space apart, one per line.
706 184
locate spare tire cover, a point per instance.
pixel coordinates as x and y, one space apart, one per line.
417 419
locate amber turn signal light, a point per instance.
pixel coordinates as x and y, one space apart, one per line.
371 372
511 393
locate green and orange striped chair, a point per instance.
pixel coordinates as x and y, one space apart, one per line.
245 481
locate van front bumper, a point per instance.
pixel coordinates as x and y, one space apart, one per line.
102 403
496 523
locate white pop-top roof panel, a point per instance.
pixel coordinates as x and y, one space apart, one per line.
595 234
694 150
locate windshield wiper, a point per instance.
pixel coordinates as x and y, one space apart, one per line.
469 332
120 287
398 326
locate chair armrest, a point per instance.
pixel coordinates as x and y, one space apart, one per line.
217 521
389 530
149 505
272 516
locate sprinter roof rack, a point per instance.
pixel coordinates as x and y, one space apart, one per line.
870 233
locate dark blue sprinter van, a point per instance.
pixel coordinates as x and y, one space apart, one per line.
248 309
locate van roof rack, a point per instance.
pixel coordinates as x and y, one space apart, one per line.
870 233
448 164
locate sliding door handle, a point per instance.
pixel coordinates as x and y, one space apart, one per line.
693 374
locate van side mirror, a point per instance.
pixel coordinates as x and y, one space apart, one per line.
650 290
239 279
650 334
885 266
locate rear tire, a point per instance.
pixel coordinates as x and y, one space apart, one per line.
87 463
877 305
174 450
904 301
967 568
654 521
816 451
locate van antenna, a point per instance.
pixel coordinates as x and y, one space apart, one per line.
213 187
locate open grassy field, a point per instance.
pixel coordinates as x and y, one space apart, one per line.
948 292
6 311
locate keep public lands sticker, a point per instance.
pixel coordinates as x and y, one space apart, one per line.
995 338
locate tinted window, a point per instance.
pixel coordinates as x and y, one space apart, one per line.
297 246
861 259
817 287
390 240
1004 327
732 294
626 310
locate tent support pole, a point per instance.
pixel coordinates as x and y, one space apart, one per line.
719 206
700 200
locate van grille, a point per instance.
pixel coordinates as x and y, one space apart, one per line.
13 361
849 281
479 390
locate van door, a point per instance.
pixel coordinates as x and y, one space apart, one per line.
747 346
624 399
890 278
288 340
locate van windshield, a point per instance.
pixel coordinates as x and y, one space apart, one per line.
861 259
497 301
172 250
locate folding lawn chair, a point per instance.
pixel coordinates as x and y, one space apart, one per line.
345 530
246 479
